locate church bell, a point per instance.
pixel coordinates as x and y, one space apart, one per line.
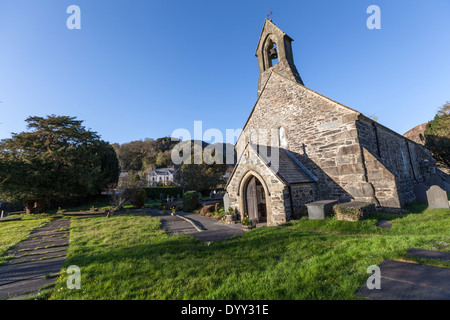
273 53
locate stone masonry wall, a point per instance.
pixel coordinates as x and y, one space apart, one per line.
301 195
410 163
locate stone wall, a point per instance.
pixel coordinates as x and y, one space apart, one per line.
302 194
409 163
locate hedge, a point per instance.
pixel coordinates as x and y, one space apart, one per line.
190 201
138 198
154 192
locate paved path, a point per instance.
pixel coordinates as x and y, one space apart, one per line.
210 229
402 280
37 260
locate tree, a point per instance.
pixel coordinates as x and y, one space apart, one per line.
203 176
437 135
57 159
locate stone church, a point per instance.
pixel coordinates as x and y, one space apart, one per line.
315 148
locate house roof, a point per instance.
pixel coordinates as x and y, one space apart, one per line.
288 168
162 171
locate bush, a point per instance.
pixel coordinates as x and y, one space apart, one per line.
353 211
138 198
190 201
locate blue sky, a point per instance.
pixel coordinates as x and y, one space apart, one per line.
140 69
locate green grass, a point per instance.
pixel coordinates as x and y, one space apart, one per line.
129 257
14 232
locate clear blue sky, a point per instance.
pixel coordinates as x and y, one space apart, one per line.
141 68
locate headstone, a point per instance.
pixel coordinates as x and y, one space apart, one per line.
420 191
211 195
178 197
226 202
199 196
172 199
437 198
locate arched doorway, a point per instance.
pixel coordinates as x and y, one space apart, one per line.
255 200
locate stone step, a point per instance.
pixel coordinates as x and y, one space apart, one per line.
409 281
428 254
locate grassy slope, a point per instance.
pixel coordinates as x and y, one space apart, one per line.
14 232
129 257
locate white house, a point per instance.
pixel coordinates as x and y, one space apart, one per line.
164 176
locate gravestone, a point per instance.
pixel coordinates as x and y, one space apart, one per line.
178 197
226 202
420 191
437 198
211 195
172 199
199 196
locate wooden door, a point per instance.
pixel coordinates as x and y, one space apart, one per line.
252 200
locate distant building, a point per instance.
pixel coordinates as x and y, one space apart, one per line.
162 176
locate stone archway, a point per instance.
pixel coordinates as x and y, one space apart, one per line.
254 193
255 200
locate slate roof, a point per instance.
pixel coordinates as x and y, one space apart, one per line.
289 169
162 171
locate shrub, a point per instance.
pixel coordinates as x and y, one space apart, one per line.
190 201
353 211
138 198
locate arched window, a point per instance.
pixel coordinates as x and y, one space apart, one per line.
282 138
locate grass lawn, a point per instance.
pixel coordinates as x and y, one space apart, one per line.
14 232
129 257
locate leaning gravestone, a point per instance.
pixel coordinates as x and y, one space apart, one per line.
437 198
226 202
420 191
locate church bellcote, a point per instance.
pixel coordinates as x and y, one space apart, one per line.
274 53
